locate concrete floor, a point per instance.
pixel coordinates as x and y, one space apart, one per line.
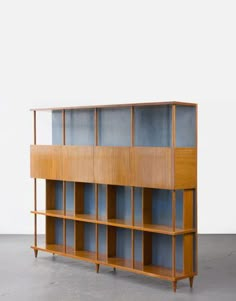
22 277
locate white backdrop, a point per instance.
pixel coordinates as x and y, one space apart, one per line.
62 53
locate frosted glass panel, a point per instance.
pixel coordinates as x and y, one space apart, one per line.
152 126
56 127
114 127
79 127
185 126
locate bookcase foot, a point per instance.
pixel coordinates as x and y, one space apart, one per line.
97 268
174 286
191 282
35 253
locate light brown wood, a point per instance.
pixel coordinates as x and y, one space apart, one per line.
191 282
63 127
50 230
149 270
173 143
136 166
147 167
79 198
111 242
64 210
79 244
173 256
46 162
90 218
151 167
174 286
173 210
132 127
50 195
111 202
95 127
69 163
185 168
188 209
117 105
132 249
147 205
35 216
147 248
35 126
188 253
78 163
196 197
112 165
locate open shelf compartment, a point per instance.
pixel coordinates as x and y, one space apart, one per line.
119 247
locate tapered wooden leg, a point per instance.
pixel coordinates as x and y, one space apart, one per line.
191 282
114 269
174 286
35 253
97 268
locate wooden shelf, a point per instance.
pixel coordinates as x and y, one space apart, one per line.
162 229
121 187
119 262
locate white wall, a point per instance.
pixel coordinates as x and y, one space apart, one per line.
55 53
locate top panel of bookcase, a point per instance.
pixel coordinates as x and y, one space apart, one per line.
117 105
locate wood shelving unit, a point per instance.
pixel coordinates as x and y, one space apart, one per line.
121 187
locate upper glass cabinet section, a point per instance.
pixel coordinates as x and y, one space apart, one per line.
138 125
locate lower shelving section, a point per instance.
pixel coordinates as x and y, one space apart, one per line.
141 230
158 255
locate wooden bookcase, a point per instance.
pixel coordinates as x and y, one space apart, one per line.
121 187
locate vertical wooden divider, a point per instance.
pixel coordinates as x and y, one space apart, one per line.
146 206
173 144
96 189
64 183
195 198
173 236
35 191
75 222
132 189
188 208
132 231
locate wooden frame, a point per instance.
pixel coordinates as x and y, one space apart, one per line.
133 166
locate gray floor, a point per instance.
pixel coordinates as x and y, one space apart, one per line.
22 277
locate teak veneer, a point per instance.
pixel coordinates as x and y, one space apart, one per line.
121 187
